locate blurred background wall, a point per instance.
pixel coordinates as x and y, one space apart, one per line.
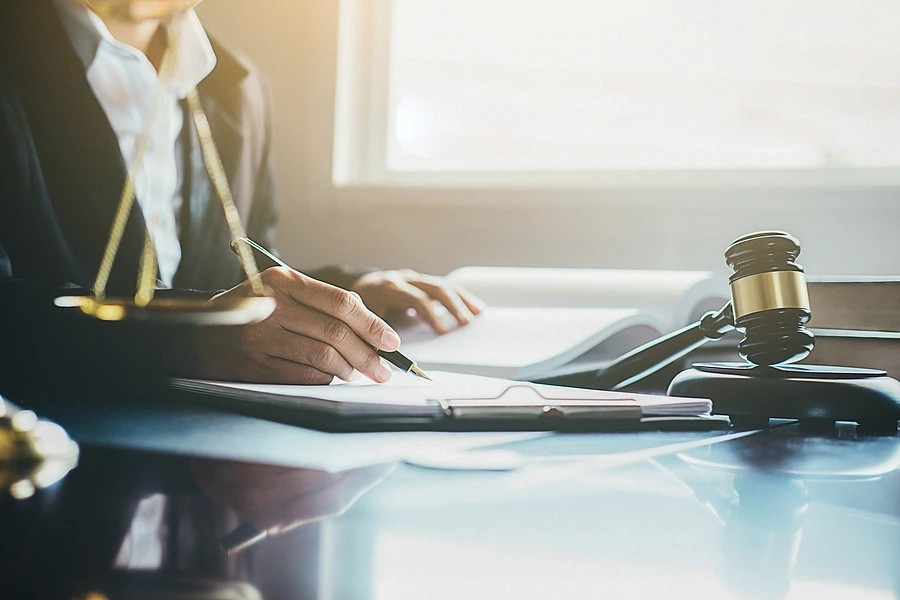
844 230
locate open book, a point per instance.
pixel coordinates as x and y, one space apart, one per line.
543 322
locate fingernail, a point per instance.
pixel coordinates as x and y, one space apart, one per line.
390 341
382 372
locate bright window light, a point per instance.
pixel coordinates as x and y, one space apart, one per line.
602 85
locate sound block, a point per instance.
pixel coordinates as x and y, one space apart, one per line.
816 395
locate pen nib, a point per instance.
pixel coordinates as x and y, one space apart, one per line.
417 371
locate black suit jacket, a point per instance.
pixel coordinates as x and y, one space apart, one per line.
61 176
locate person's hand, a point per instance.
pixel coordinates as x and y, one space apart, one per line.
316 332
392 293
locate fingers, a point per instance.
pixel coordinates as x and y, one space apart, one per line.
337 303
394 292
305 351
446 296
421 302
317 332
291 358
326 343
460 303
251 354
473 303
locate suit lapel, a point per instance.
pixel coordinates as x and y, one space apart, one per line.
79 152
83 166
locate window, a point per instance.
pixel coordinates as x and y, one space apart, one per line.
599 86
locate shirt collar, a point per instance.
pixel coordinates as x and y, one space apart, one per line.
89 35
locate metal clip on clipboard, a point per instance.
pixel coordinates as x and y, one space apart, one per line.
526 402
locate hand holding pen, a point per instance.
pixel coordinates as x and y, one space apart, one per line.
317 332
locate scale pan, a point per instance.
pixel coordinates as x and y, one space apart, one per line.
173 311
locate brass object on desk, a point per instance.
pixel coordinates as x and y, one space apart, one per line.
769 305
34 454
144 307
773 290
223 311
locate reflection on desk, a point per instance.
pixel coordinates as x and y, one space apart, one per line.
134 525
775 514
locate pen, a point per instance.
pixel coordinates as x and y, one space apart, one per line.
266 259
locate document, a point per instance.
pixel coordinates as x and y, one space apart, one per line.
450 396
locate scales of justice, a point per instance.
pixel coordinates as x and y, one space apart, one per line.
35 454
145 306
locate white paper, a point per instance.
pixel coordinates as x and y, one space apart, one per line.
515 342
669 296
407 395
541 322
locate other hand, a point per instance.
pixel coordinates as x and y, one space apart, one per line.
317 332
392 293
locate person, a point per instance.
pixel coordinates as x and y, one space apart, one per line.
81 86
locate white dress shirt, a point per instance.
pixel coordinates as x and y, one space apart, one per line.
127 86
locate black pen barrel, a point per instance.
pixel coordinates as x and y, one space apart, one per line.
397 359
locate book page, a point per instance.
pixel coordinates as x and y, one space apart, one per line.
671 296
517 342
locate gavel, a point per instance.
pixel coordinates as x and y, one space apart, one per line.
770 306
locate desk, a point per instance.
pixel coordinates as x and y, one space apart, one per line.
776 514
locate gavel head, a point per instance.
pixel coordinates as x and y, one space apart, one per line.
769 298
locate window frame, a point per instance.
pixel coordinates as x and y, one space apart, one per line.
362 122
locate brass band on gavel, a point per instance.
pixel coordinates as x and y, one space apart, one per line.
769 291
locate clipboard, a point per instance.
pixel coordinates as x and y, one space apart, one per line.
519 406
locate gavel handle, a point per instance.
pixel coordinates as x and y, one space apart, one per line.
652 356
